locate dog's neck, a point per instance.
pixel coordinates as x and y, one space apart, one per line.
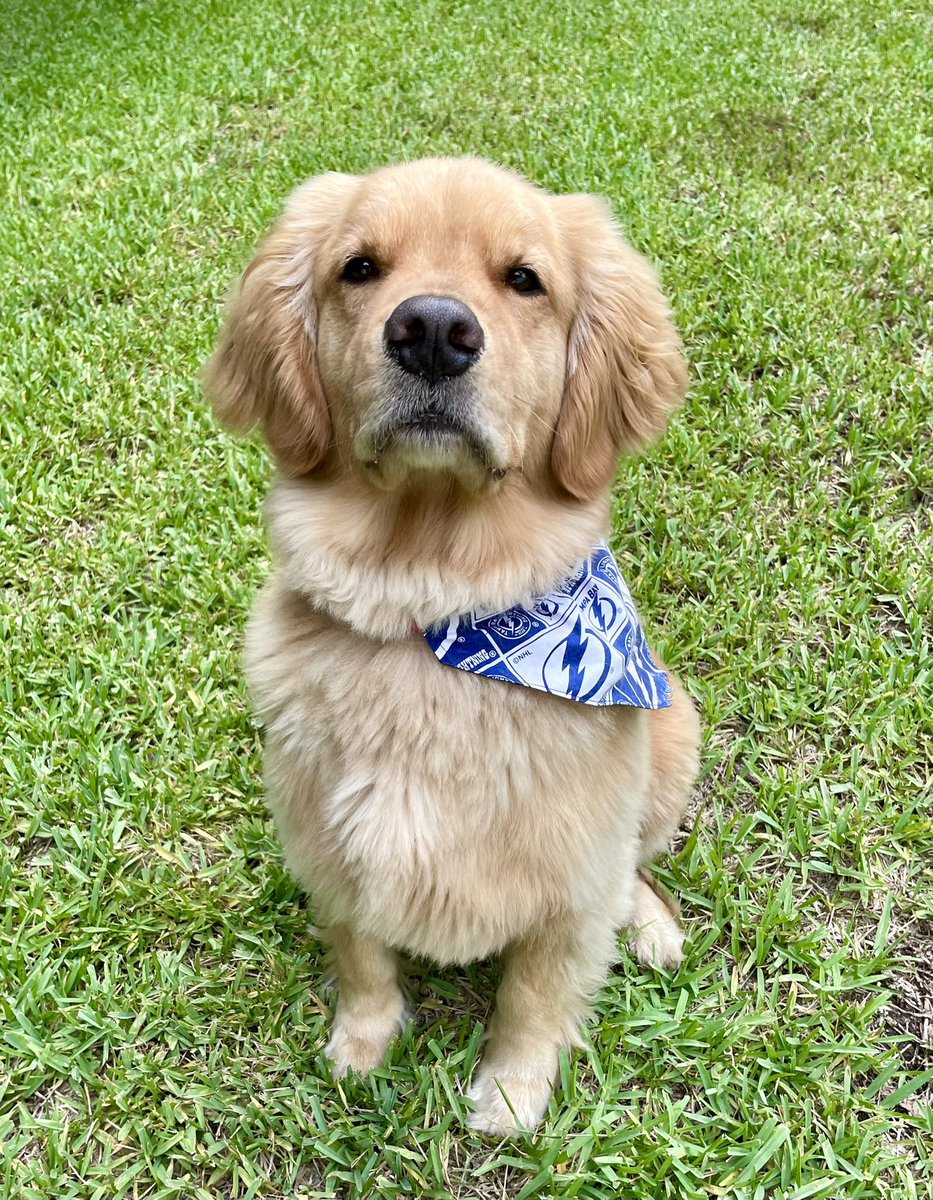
382 563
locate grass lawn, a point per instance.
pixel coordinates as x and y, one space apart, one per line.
162 1024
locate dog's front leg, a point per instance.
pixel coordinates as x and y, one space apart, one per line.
370 1004
548 980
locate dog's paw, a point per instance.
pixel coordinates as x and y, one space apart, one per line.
505 1102
656 937
660 944
360 1045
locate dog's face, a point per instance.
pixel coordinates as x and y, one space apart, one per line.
445 318
442 326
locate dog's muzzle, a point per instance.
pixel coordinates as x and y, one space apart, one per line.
429 417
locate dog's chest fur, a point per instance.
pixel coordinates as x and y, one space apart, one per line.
440 812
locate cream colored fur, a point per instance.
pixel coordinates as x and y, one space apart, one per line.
429 811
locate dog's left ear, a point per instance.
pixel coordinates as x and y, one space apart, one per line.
625 365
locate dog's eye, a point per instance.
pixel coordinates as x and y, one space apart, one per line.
524 280
359 270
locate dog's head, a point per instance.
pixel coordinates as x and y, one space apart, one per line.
445 316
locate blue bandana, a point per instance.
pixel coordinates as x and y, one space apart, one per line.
582 641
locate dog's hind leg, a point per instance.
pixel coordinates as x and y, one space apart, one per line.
655 934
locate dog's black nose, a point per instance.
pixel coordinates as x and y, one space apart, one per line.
434 336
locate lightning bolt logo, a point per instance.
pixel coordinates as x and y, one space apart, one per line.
604 612
578 666
574 648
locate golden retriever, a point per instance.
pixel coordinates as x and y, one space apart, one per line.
446 363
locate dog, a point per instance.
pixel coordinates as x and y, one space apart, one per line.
446 363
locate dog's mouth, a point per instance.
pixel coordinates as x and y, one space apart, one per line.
427 428
442 432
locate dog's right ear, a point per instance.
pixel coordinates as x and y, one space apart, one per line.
264 369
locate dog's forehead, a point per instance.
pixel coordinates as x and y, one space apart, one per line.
450 203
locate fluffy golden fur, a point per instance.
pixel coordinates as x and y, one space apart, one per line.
429 811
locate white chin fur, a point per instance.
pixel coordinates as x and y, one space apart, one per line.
412 454
406 462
